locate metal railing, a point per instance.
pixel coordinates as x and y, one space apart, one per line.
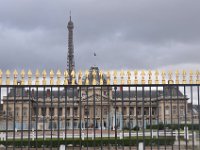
100 112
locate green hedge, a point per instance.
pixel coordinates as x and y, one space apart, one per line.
90 143
173 126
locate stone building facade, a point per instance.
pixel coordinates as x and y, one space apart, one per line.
98 107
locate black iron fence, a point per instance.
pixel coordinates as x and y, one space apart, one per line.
97 111
155 116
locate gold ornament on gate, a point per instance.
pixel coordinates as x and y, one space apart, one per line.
37 76
184 77
23 77
170 81
8 77
122 76
94 82
80 78
51 77
163 74
73 75
156 77
66 76
136 77
191 77
44 75
143 77
115 77
58 74
29 77
150 77
86 77
101 77
129 77
108 78
177 77
15 74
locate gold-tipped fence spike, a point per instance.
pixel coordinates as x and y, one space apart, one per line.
115 77
51 77
191 77
44 75
197 77
136 77
163 74
37 76
80 78
150 77
58 74
177 77
86 77
122 77
1 75
7 77
101 77
108 78
66 76
128 77
29 77
143 77
15 75
23 77
156 77
94 82
170 80
184 77
73 75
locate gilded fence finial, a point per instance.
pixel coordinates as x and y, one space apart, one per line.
122 76
51 77
191 77
150 77
143 77
170 81
15 74
73 75
23 77
1 74
86 77
66 75
7 77
197 77
163 74
184 77
94 82
115 77
108 78
177 77
80 78
29 77
37 76
58 74
44 75
156 77
136 77
101 77
129 77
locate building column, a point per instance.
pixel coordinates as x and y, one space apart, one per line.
47 111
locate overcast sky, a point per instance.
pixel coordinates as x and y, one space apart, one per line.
125 34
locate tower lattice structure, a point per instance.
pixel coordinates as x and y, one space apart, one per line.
70 55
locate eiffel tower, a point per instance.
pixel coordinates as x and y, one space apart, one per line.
70 55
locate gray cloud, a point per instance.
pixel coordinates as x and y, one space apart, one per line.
124 34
